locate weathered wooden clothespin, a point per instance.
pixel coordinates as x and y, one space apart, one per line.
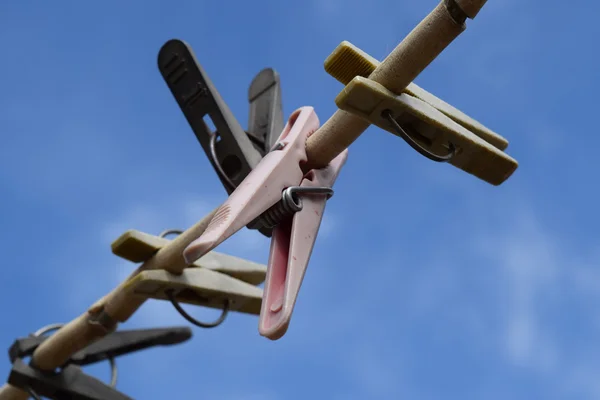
431 126
216 280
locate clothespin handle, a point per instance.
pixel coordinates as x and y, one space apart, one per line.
234 155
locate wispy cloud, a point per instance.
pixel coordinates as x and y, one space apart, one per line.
527 266
531 262
424 282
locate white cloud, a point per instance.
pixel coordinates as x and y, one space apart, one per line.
540 266
530 258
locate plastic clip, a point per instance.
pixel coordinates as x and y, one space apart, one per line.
291 247
232 152
70 383
278 193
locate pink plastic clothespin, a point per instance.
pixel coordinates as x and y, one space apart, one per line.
291 246
278 193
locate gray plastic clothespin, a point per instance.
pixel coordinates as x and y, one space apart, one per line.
232 151
70 382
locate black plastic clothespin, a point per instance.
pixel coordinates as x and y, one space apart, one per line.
265 122
70 382
232 151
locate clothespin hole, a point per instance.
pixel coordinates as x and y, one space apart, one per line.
209 123
170 293
400 131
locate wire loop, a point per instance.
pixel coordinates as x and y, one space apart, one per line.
387 114
170 293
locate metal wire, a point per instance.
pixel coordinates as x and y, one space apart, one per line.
46 329
170 232
213 155
387 114
289 204
170 293
212 144
113 372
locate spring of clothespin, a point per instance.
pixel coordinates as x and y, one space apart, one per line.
277 192
289 204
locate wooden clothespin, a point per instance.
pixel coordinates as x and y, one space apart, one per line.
431 126
216 280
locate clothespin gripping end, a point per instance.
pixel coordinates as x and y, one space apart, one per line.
291 248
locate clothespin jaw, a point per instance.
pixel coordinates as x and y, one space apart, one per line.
291 247
265 121
430 125
263 187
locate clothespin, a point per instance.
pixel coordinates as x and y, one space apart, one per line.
232 152
347 61
138 247
216 280
200 287
278 194
429 125
113 345
70 382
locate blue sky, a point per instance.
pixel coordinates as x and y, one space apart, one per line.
425 283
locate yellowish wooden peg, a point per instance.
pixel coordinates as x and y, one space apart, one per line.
432 129
138 247
348 61
198 286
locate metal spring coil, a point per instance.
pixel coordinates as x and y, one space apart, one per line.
289 204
